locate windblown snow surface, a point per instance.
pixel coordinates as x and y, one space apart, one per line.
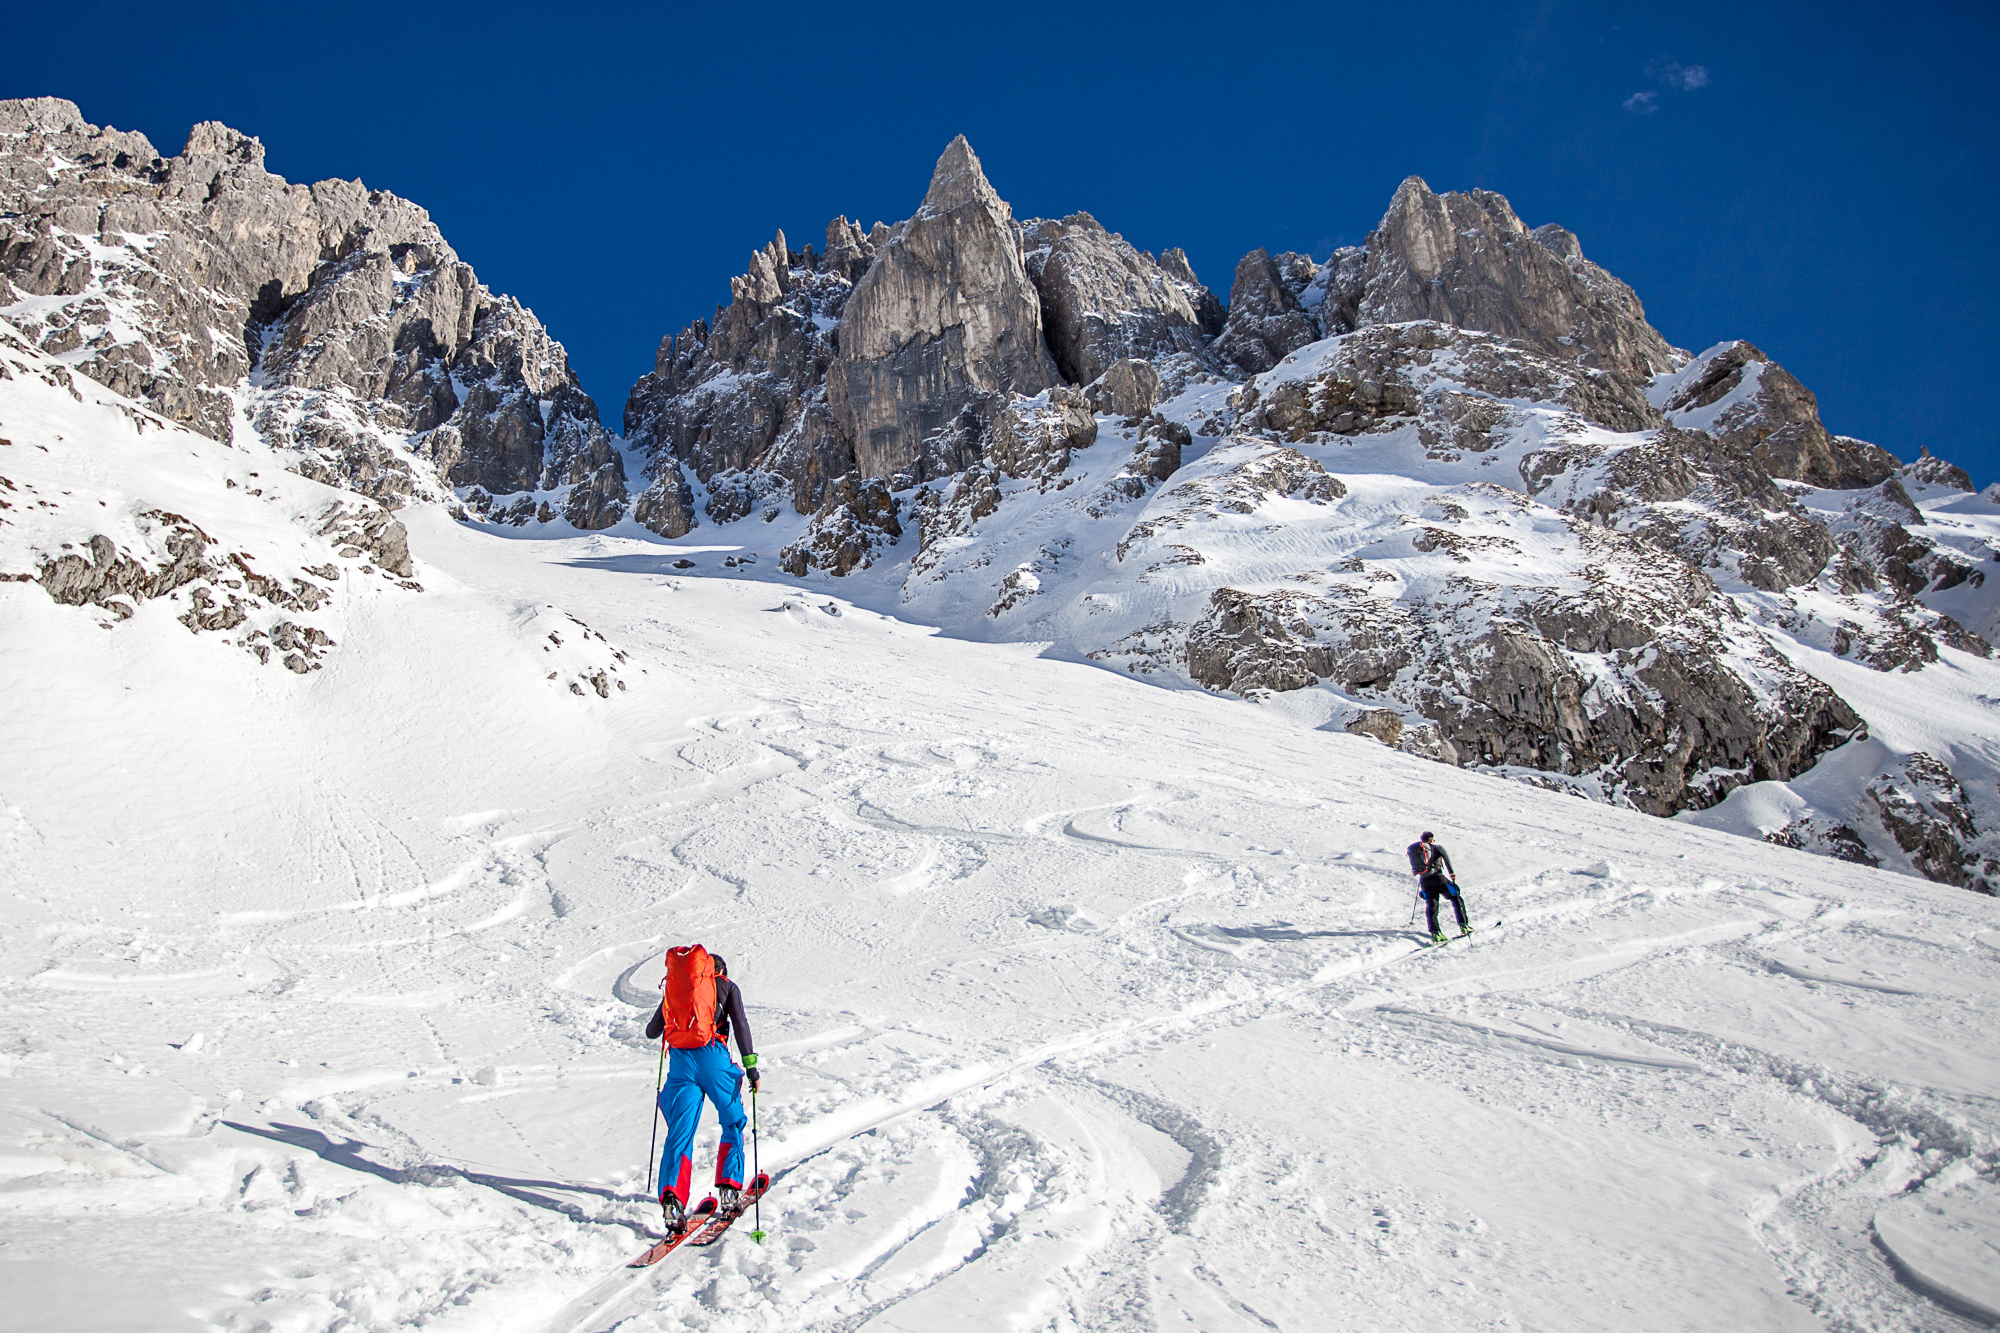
1085 1004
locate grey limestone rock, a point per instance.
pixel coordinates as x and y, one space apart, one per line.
339 314
376 532
748 393
1032 437
1208 312
1157 455
667 504
1825 837
1104 301
1384 724
941 327
1451 380
1514 677
1267 315
1929 470
855 522
1467 259
1690 493
1738 394
1127 388
1923 806
108 574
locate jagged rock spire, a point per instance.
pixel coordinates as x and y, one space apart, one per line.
959 180
941 327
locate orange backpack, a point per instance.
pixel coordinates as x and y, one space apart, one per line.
688 1007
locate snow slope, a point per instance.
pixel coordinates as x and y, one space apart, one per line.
1086 1005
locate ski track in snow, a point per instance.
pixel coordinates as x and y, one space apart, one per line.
1085 1004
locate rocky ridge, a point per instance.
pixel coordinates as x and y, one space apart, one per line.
1450 481
902 354
331 320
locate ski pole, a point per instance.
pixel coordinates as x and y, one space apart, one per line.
653 1143
756 1170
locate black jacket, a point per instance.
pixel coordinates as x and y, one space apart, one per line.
1430 860
728 1018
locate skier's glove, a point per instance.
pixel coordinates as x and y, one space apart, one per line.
750 1068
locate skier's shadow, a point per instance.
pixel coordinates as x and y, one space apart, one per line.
348 1154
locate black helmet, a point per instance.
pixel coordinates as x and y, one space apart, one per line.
1425 838
721 964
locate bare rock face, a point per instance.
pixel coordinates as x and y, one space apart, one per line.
107 576
1208 312
1127 388
339 315
360 529
1466 259
943 324
1825 837
1737 393
1454 383
667 505
1930 471
1103 301
950 512
1267 313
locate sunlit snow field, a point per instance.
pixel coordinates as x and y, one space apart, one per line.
1085 1003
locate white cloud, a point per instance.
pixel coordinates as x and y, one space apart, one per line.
1687 77
1643 104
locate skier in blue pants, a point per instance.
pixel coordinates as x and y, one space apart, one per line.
705 1071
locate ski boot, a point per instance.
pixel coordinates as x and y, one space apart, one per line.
729 1197
675 1212
1464 931
1437 937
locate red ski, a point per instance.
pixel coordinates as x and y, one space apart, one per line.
698 1222
705 1225
720 1222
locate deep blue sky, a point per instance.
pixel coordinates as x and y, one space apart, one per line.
1817 178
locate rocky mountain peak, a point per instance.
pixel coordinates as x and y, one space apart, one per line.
42 115
212 138
944 323
1467 259
959 180
1104 301
769 276
1420 224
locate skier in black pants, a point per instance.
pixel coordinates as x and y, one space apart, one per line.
1430 863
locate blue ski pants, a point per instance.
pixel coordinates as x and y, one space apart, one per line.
706 1071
